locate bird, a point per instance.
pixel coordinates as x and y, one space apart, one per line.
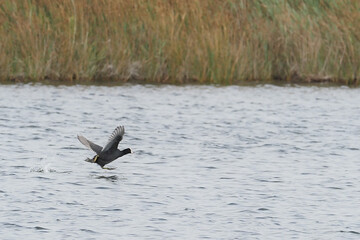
110 152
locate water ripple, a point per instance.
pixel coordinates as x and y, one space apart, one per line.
262 162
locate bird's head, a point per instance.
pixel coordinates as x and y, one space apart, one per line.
127 151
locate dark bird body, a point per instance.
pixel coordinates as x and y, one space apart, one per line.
110 152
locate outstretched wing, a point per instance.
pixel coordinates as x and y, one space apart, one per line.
96 148
114 139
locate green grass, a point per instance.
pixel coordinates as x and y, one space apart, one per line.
180 41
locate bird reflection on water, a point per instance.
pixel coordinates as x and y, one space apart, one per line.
111 178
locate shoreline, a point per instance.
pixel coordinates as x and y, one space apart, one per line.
118 82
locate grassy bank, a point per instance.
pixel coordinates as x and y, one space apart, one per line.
180 41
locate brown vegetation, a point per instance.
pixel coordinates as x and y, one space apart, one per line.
180 41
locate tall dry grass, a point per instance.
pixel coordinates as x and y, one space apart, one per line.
180 41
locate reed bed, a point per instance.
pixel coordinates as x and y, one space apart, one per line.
180 41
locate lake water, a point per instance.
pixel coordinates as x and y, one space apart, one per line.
261 162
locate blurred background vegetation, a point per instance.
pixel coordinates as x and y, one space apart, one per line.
180 41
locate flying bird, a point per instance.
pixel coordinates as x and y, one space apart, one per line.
110 152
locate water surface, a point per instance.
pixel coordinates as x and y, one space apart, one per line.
261 162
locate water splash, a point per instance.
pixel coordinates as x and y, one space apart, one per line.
43 169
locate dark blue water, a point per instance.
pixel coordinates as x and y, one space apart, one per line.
261 162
